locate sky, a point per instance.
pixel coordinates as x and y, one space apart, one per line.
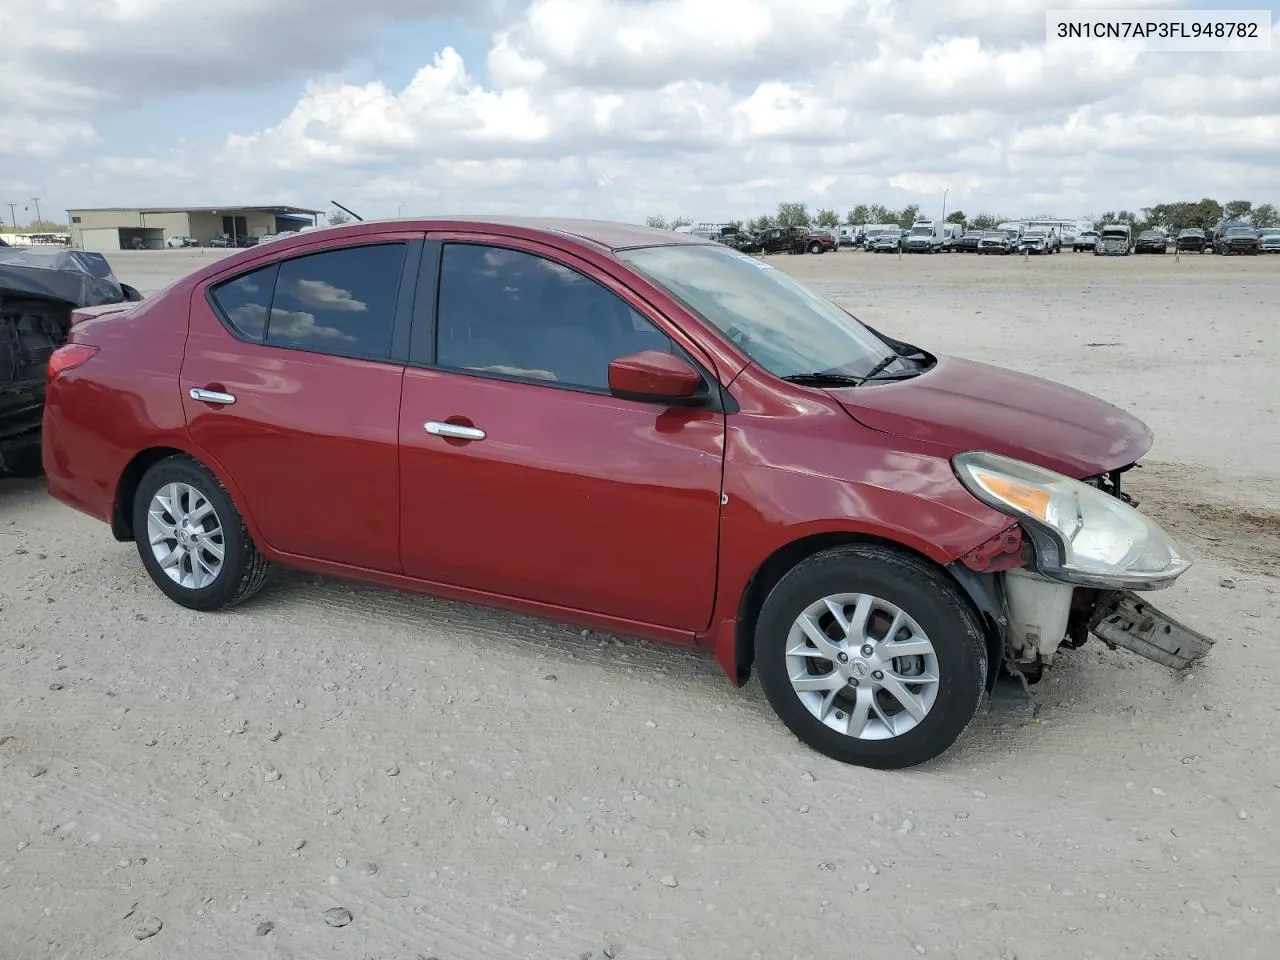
623 109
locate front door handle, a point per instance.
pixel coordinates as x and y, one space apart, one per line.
456 430
212 396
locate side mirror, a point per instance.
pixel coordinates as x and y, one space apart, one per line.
654 376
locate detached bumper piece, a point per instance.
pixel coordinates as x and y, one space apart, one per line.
1125 619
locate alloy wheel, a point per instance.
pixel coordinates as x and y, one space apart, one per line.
862 666
186 535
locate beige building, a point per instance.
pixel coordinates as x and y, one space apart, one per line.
105 229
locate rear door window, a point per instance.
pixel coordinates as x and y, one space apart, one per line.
339 302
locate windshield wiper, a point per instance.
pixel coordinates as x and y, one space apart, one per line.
823 379
882 366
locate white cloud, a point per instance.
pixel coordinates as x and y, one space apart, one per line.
711 108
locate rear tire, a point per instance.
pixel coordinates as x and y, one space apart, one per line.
897 588
192 539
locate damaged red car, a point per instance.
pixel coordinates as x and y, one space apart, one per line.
630 429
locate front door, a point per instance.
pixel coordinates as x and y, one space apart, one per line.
522 476
299 394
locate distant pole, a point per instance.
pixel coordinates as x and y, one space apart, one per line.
13 216
36 201
944 204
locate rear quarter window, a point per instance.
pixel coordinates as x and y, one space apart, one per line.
244 302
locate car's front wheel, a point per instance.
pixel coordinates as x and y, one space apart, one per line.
192 539
871 656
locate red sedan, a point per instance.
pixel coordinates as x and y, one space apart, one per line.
631 429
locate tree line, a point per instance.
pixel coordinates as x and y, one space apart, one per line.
1204 214
35 226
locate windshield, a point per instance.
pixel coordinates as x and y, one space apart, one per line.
922 231
1269 232
779 323
1239 232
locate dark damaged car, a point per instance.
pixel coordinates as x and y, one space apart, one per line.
1191 240
1151 241
38 291
1237 240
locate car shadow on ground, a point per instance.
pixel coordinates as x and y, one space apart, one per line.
369 611
1009 708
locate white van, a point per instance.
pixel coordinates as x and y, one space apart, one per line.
925 236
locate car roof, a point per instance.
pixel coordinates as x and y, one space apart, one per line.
609 234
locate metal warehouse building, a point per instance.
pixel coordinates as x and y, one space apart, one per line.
104 229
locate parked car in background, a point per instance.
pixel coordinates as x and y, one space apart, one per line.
1001 242
733 237
1040 240
888 241
1114 240
951 234
633 433
39 287
818 240
968 243
772 240
1269 240
1191 240
875 230
1151 241
1085 240
1037 241
924 236
1236 239
180 241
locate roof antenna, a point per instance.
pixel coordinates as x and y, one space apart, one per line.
345 210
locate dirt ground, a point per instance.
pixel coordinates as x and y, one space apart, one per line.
469 784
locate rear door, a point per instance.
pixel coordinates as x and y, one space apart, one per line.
521 475
296 366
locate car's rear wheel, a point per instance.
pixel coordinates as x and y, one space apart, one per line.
192 540
871 656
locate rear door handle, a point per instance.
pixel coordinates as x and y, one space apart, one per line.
212 396
438 429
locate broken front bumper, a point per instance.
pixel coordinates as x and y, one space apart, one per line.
1125 619
1043 615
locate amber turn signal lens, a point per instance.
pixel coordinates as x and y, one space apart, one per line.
1033 500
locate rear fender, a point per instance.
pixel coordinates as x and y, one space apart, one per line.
131 476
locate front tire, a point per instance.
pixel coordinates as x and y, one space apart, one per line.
871 656
192 539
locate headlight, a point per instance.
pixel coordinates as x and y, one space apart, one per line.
1082 535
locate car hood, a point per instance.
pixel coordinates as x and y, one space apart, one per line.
965 405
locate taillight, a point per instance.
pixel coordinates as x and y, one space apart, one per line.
68 358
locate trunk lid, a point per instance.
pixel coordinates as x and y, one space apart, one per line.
966 405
